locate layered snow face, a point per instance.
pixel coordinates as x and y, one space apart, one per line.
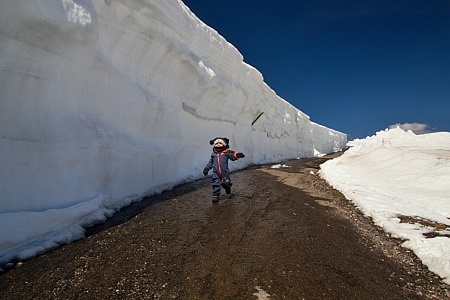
103 102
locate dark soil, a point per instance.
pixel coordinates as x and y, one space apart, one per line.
283 234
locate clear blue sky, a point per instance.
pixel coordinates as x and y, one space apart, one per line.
354 66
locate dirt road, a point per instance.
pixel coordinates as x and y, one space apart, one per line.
283 234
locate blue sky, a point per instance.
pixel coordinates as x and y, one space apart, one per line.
354 66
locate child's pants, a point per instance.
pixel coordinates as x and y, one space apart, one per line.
218 183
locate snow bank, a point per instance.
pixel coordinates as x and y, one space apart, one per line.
396 174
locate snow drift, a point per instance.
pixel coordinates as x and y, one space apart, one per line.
395 176
103 102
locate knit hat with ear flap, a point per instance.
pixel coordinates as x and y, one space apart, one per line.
219 141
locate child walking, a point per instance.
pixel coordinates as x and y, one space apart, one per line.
219 164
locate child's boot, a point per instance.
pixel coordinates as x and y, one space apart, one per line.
215 198
227 186
227 190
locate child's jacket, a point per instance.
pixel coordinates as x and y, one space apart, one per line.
219 162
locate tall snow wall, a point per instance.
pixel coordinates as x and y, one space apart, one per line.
105 101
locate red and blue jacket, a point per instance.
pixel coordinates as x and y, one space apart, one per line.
219 162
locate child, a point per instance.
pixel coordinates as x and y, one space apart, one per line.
219 163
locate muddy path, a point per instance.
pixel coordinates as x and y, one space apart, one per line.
283 234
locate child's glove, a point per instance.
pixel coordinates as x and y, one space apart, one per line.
240 155
205 171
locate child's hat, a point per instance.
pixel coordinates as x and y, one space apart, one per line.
223 140
219 141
